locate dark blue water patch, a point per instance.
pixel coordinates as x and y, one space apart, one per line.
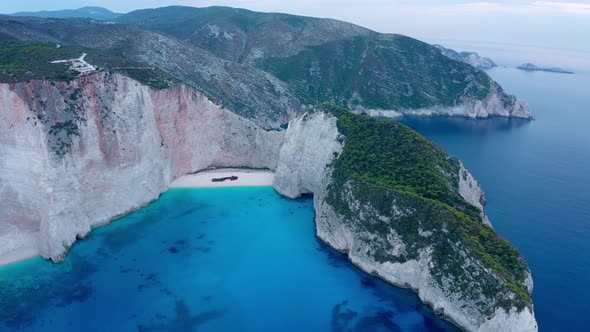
183 320
465 126
536 176
334 258
187 262
344 320
23 295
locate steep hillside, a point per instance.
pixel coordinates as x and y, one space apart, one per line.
241 35
243 89
388 72
271 67
326 60
95 13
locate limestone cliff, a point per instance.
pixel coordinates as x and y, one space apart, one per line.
471 58
311 143
496 103
76 155
406 239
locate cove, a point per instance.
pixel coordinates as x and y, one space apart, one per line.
221 259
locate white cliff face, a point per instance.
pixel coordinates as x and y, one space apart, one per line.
478 61
495 104
300 171
76 155
130 143
492 105
311 142
416 274
472 193
469 189
379 113
510 321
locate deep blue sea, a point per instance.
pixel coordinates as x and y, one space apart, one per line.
231 259
536 175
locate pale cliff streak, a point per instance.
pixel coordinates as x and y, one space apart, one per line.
496 103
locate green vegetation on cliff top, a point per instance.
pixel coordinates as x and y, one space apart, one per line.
28 60
323 60
31 60
376 72
388 164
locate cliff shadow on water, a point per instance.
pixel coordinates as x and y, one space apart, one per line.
467 126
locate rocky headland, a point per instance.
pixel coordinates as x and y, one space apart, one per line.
76 155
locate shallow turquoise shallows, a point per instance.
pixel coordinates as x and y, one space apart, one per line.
232 259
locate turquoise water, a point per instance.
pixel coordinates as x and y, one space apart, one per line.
536 175
231 259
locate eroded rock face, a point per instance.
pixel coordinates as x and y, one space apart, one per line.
471 58
373 240
311 143
469 189
496 103
76 155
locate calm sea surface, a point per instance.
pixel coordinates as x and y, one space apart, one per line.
536 175
231 259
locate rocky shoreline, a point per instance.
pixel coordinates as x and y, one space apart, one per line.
68 164
297 174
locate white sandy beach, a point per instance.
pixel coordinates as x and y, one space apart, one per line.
17 244
246 178
26 247
21 254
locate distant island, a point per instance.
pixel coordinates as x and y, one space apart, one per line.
531 67
471 58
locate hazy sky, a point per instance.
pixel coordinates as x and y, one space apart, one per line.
561 25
